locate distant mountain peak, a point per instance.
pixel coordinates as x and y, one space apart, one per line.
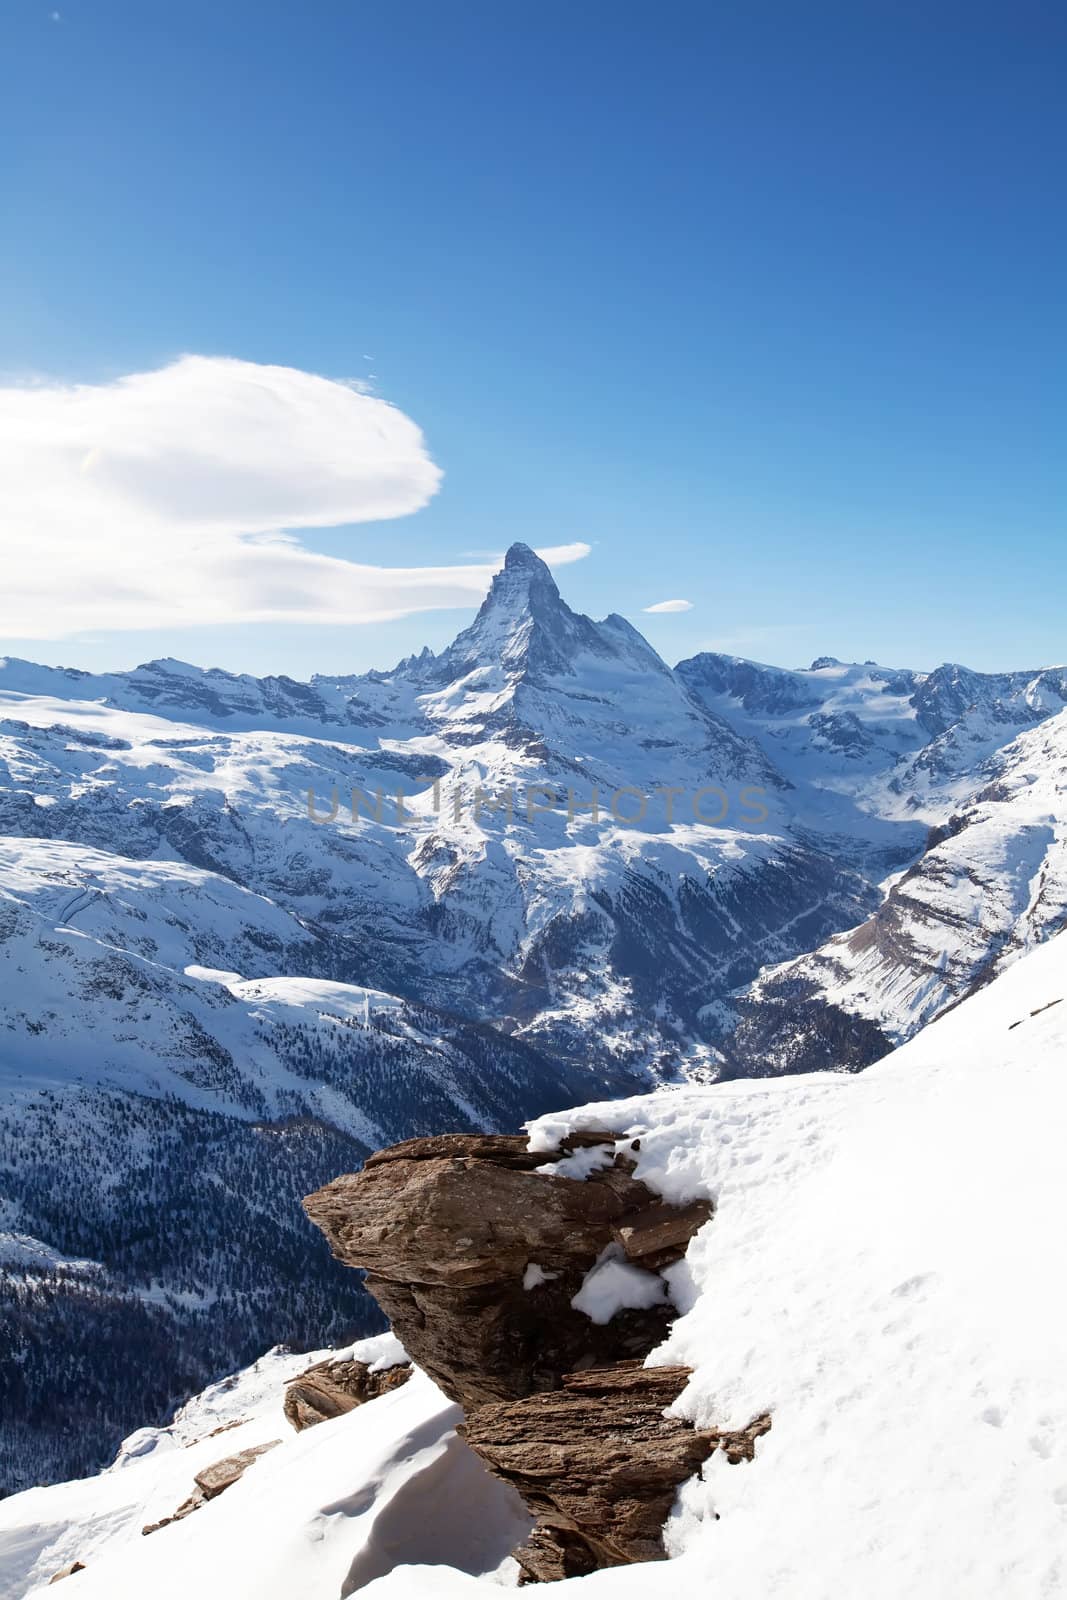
523 623
520 558
524 584
526 627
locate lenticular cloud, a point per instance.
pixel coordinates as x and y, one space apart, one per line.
171 497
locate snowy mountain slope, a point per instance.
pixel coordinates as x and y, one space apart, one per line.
160 1119
343 1498
550 922
860 1279
894 741
539 913
177 691
824 725
112 969
992 885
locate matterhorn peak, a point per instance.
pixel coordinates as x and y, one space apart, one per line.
524 580
526 627
520 558
523 622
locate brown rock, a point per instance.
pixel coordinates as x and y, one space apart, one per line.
224 1474
67 1571
598 1464
212 1481
446 1229
186 1509
468 1215
330 1388
585 1139
505 1149
661 1228
557 1406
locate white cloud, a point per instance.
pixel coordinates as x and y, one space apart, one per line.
670 605
168 498
561 555
557 555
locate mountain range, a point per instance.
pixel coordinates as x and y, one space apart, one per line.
251 929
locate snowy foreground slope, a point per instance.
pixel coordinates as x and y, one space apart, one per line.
388 1480
879 1275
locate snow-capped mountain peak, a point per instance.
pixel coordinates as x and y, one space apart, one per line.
527 629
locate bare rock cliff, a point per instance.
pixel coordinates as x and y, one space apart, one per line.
598 1464
476 1257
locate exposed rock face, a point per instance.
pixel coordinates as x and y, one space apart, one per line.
213 1481
447 1229
330 1388
475 1256
224 1474
68 1571
598 1464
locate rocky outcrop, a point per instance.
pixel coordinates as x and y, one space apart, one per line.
330 1388
222 1475
326 1390
599 1464
476 1257
213 1481
67 1572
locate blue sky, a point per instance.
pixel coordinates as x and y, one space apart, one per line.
764 302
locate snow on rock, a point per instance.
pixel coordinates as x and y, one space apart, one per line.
580 1163
380 1352
875 1277
612 1285
535 1275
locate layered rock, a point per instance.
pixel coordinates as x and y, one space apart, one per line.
68 1571
212 1481
477 1258
331 1388
599 1464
